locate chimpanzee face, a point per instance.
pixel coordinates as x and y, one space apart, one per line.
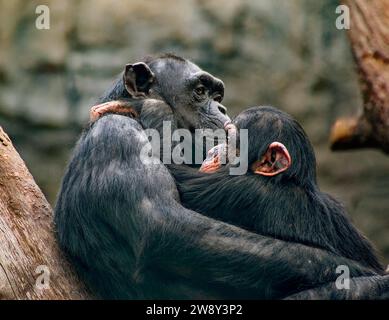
276 144
194 95
275 160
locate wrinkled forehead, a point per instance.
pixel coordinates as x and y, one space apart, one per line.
171 69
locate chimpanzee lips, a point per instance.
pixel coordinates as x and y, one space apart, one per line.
216 157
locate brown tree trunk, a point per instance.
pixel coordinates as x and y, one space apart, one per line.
369 37
31 264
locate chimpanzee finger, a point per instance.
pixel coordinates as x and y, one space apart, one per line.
117 107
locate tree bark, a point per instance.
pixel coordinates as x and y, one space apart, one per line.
31 264
369 38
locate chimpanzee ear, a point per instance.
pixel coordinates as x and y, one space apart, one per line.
138 79
275 160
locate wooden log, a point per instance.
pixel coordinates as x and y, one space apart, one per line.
31 264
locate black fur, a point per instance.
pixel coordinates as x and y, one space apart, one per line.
122 226
288 206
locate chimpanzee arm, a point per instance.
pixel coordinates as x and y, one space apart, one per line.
361 288
120 216
208 250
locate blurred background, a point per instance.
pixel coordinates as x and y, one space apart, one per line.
268 52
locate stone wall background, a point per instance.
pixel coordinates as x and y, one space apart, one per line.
284 53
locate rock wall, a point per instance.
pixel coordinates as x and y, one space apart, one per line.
284 53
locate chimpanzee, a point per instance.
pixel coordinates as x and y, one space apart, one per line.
278 196
121 223
193 94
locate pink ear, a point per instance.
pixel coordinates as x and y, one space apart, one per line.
275 160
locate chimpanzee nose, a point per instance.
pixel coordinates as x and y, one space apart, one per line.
219 114
222 109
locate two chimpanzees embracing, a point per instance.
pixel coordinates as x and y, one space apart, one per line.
120 220
278 196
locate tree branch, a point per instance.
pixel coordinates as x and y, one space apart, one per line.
369 38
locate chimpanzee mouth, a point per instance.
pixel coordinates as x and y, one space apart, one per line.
223 153
216 158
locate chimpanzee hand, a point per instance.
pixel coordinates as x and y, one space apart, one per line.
122 107
360 288
120 222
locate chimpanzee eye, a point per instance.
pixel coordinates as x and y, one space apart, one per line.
200 90
218 98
